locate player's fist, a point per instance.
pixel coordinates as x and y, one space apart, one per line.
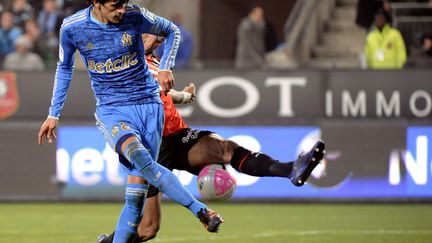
48 130
191 89
166 80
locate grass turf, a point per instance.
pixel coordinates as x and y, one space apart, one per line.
81 223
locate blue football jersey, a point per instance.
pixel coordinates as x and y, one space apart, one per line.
114 56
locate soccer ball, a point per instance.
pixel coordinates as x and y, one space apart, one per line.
215 183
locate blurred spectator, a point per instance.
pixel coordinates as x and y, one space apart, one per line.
32 32
22 11
49 21
8 34
366 10
421 57
23 59
36 4
385 47
4 5
49 17
185 49
250 50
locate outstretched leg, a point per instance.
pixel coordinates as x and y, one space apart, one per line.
135 152
306 162
213 149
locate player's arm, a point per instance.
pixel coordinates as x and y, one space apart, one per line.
61 84
156 25
187 95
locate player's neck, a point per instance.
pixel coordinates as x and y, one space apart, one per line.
96 13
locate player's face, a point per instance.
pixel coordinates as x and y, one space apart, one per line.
113 11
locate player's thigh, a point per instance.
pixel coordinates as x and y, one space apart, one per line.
115 126
150 125
211 149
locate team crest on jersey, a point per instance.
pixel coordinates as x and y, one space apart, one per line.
124 126
114 131
126 39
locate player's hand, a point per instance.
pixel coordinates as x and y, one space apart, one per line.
191 89
166 80
48 130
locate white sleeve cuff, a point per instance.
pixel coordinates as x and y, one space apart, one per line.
53 117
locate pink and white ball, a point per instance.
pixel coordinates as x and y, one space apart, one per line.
215 183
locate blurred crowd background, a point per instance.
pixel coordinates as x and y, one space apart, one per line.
271 34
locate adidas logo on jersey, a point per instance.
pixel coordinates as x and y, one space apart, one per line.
89 46
109 66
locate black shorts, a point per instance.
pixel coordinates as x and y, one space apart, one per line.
174 150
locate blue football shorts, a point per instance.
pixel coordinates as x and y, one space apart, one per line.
145 121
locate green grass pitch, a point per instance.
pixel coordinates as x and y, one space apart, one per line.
81 223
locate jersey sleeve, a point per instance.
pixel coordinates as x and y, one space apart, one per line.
157 25
63 74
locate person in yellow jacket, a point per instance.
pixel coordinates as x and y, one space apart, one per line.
385 47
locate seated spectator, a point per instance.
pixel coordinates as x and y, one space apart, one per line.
8 34
385 47
23 59
421 57
22 12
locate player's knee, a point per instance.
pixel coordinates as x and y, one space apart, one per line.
228 148
124 143
135 152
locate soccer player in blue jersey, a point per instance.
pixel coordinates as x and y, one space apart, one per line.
204 148
129 111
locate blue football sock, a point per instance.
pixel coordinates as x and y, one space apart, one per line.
131 214
161 177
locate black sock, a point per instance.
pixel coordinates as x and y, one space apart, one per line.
109 239
258 164
137 239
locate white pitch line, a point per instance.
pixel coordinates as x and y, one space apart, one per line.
295 233
225 237
362 232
